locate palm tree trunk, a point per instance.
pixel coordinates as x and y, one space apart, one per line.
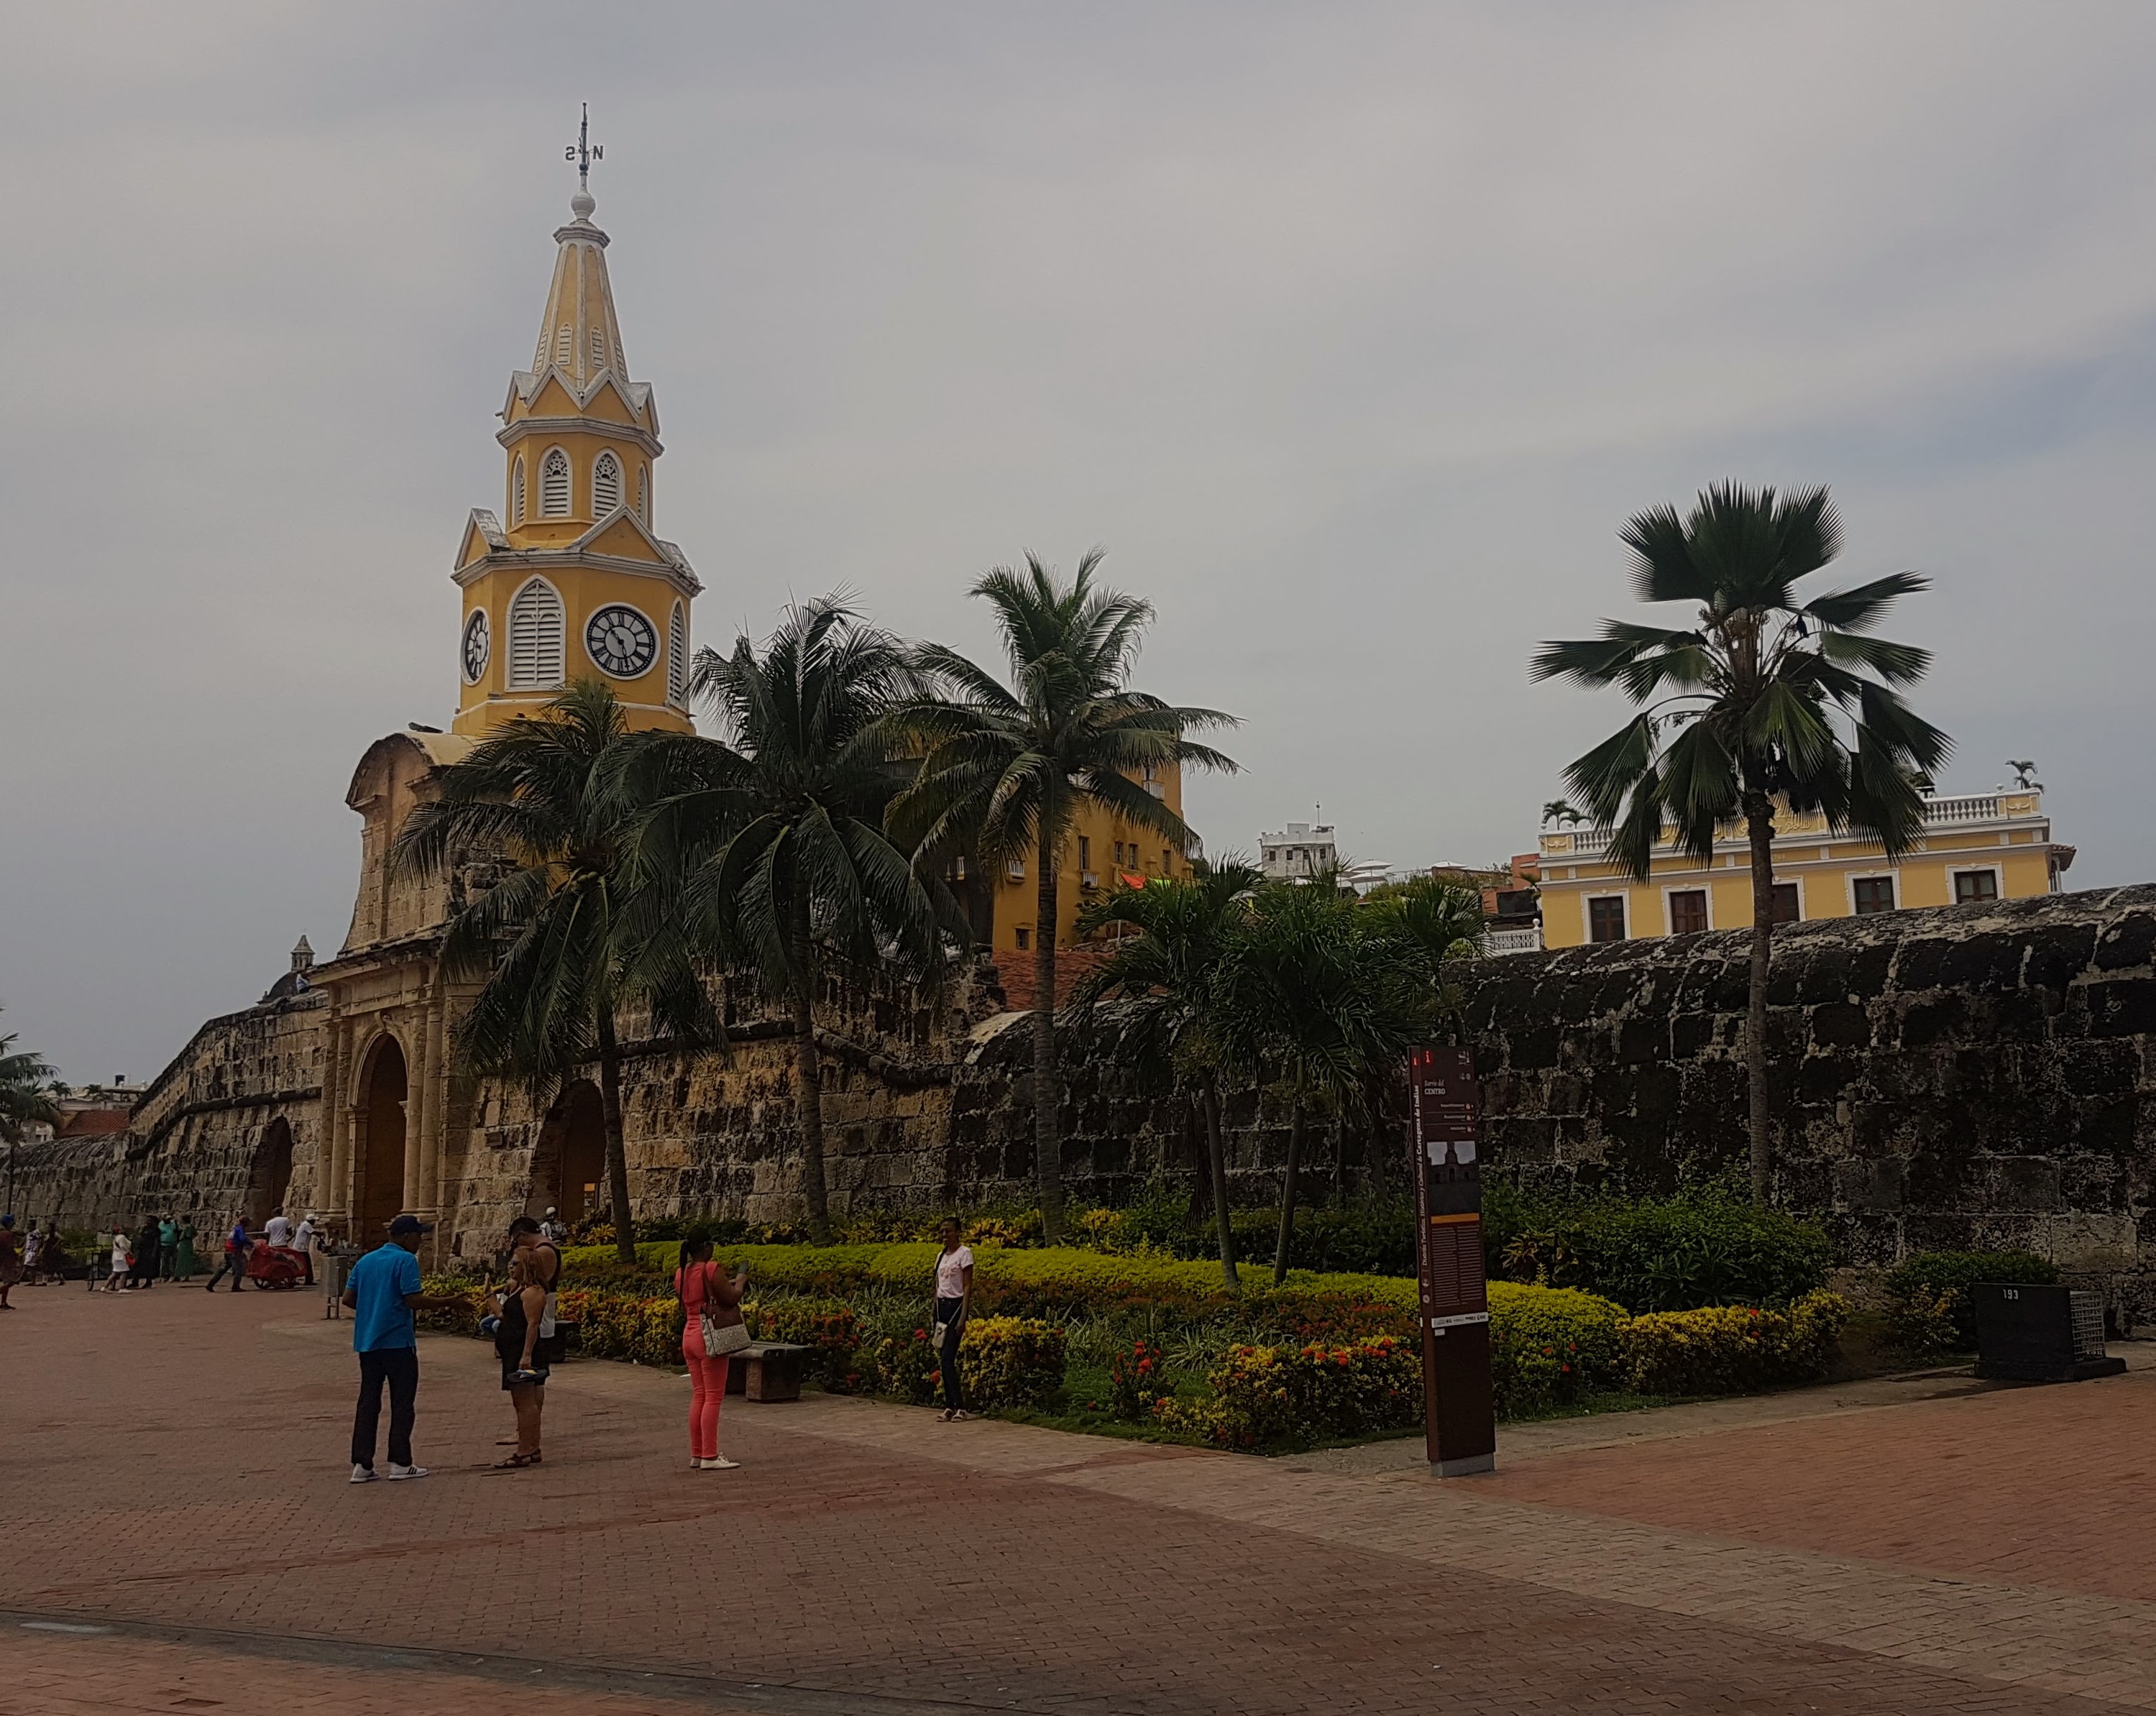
1759 825
617 1155
1216 1150
809 1082
1288 1193
1047 1139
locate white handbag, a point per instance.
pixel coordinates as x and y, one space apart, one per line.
718 1342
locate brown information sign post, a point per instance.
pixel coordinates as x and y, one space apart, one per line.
1457 1410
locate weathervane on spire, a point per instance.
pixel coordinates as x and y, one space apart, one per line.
584 152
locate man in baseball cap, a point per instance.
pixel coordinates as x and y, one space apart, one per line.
382 1294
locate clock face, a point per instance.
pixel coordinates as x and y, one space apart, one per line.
622 642
479 645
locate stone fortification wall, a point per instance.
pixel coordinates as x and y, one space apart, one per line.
233 1122
1972 1076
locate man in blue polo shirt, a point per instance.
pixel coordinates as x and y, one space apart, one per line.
381 1292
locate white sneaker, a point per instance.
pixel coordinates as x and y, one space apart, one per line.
364 1474
722 1464
397 1471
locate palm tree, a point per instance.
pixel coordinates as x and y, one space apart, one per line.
27 1089
1765 698
1005 771
570 936
1561 810
778 828
1308 989
1165 976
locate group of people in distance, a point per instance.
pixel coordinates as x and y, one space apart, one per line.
384 1290
162 1249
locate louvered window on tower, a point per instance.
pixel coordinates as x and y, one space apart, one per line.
644 496
554 484
563 346
677 654
516 492
606 485
535 638
598 350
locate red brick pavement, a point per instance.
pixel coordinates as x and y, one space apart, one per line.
2025 1486
180 1462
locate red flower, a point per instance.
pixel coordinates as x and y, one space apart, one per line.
1145 1365
920 1334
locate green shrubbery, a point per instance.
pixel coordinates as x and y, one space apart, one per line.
1928 1307
1550 1345
1290 1397
1727 1349
1656 1254
1011 1361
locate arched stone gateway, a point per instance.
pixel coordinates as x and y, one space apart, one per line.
569 1163
379 1128
270 1176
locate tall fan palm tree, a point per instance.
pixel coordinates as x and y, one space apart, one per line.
1165 974
778 830
1005 771
1766 698
1306 991
571 935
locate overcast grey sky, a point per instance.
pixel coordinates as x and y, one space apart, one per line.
1354 332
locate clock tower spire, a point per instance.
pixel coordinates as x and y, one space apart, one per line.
570 581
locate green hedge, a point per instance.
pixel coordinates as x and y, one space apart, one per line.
1730 1349
1656 1254
1928 1306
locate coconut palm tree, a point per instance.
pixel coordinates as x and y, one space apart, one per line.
27 1089
1764 699
1005 770
1311 991
1165 976
571 935
776 830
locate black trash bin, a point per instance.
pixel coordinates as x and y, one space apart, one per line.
2027 1332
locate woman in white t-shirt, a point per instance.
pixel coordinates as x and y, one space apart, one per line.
954 1288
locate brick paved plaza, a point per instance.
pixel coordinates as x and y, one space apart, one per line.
180 1535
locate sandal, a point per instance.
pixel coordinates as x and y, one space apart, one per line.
515 1463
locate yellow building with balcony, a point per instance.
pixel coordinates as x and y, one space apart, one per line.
1975 847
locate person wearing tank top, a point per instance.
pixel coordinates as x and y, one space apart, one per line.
525 1338
706 1290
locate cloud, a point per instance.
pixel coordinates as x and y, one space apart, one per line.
1354 332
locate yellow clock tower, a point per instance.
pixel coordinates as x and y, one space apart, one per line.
575 584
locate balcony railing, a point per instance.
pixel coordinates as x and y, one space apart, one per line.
1961 809
1512 941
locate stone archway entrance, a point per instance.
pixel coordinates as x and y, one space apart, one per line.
380 1189
569 1165
270 1176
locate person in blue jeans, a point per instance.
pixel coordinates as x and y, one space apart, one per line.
381 1292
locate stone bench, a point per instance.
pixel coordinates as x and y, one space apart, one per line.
768 1370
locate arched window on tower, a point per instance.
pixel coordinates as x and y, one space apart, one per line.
554 484
677 654
599 350
562 347
516 492
535 638
606 485
643 494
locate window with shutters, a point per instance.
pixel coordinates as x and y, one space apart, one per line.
516 492
1687 911
606 485
598 350
554 484
1605 919
1971 885
677 654
563 344
1787 908
643 494
535 638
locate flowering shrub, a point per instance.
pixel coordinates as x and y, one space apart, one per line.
905 1366
1547 1345
1291 1397
1137 1381
609 1325
1011 1361
1726 1349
